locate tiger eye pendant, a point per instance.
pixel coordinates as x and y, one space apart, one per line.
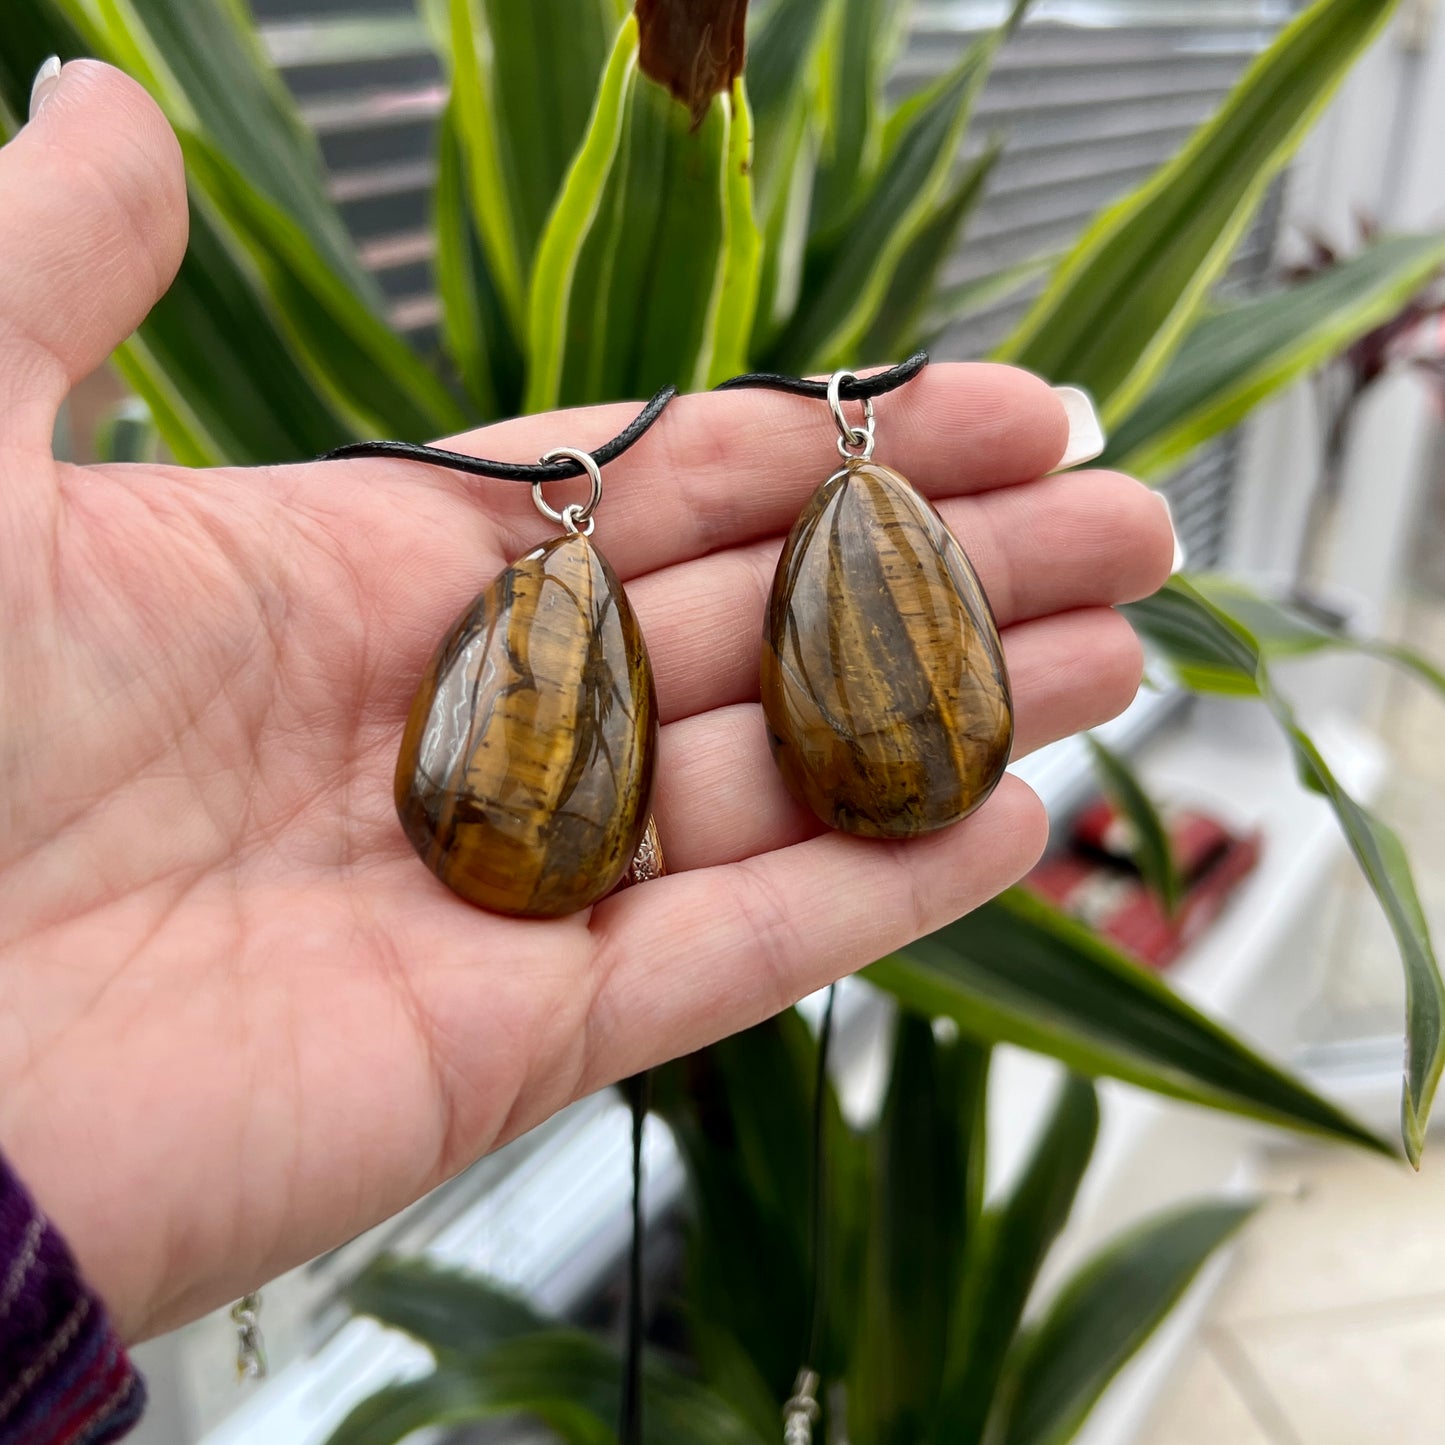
883 678
526 768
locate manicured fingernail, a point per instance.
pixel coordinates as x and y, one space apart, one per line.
1181 557
46 79
1086 431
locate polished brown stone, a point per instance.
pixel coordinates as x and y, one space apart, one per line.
883 678
526 768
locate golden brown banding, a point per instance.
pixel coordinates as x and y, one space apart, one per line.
526 768
883 677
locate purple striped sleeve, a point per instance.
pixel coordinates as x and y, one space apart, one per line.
64 1378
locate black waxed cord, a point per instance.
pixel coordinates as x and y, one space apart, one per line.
639 1097
803 1409
818 1191
529 472
853 389
638 1090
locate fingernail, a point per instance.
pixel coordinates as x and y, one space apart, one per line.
1086 431
46 79
1181 557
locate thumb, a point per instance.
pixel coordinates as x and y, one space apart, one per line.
93 226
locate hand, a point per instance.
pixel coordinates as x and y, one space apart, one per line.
239 1021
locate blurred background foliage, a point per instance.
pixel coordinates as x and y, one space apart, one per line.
596 237
927 1288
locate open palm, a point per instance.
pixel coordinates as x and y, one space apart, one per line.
239 1021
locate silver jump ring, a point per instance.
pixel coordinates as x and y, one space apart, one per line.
854 442
577 516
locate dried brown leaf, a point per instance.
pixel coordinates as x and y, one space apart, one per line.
693 47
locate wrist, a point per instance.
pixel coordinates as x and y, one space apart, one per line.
80 1196
64 1376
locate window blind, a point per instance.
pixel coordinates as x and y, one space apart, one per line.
369 84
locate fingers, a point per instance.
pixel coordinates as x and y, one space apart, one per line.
720 797
1081 539
726 468
91 233
689 958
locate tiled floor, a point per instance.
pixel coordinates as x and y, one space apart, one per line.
1331 1327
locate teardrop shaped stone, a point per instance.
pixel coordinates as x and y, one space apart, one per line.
526 768
883 678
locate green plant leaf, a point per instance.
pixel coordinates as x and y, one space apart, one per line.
257 167
1018 971
500 1356
355 358
580 208
450 1312
450 1397
146 379
781 86
950 304
1004 1262
861 39
1118 307
1283 631
847 280
568 1380
913 290
128 434
203 62
475 330
749 1098
219 373
544 59
267 208
1103 1316
927 1180
1236 356
523 82
741 1113
742 250
477 126
1150 848
1214 651
729 1368
784 39
647 272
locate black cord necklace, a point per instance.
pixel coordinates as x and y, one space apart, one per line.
856 389
529 472
803 1405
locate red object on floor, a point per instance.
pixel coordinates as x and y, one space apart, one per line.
1095 880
